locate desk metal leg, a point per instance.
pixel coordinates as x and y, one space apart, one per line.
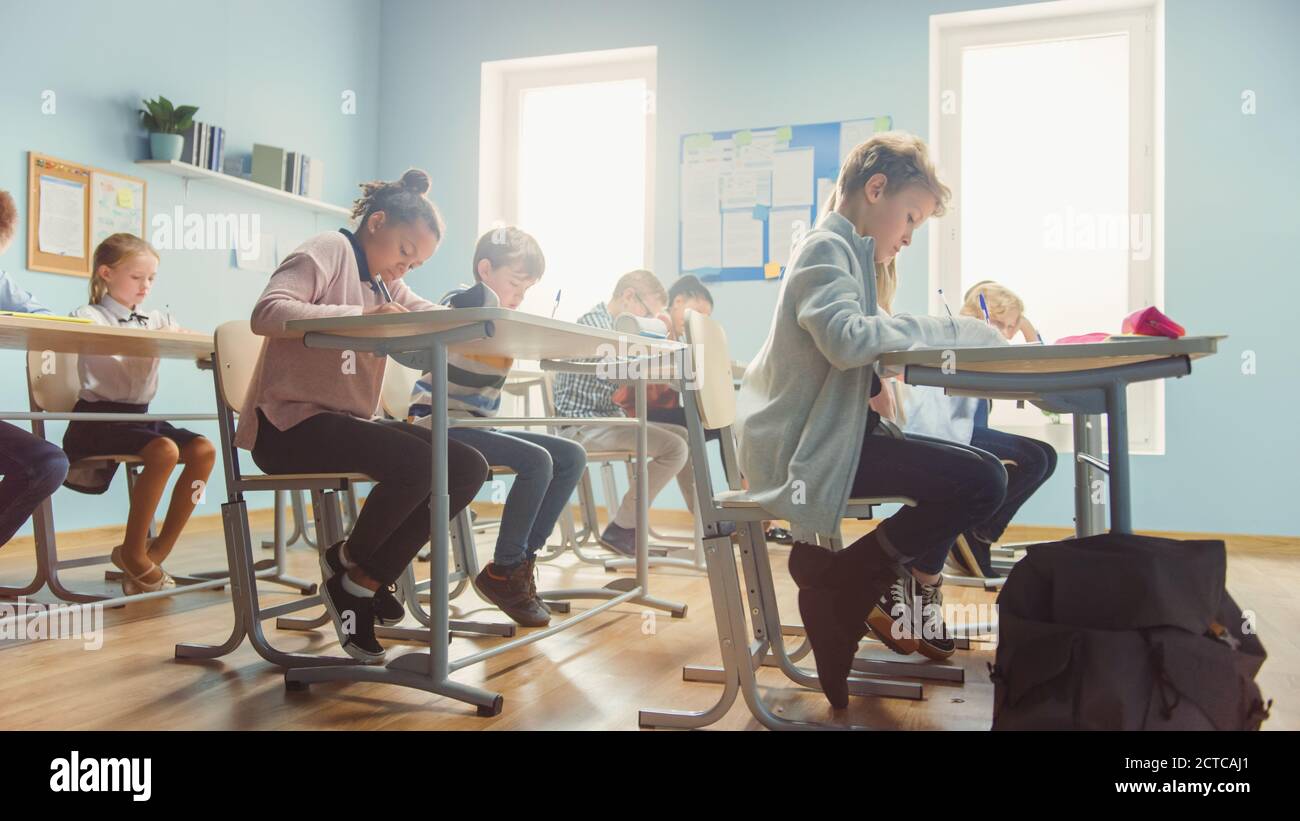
1121 514
1089 515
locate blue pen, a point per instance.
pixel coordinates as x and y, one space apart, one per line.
382 288
557 303
984 306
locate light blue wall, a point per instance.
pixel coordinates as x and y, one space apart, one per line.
267 72
1231 218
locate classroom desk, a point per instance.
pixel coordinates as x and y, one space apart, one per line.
1083 380
421 340
26 334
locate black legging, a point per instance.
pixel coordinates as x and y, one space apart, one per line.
394 522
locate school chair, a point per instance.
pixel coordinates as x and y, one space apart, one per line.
710 403
53 387
235 357
575 539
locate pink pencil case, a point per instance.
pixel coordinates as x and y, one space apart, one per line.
1150 322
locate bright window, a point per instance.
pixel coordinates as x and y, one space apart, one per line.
574 152
1045 130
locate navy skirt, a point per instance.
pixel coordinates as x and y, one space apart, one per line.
83 440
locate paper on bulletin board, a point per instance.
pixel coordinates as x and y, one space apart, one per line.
785 226
824 189
792 178
740 189
742 240
116 207
61 224
853 132
699 190
702 241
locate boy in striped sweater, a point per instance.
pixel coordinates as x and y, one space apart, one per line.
507 262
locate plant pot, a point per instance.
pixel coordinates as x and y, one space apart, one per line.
166 146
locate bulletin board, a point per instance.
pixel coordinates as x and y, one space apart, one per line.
745 195
72 207
58 216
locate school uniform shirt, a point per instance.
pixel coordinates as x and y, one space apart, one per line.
129 379
582 394
13 297
931 412
326 276
802 409
474 381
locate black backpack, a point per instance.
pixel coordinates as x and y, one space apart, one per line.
1124 632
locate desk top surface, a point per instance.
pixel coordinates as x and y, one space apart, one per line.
516 334
24 334
1058 358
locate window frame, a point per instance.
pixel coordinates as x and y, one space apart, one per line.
1143 21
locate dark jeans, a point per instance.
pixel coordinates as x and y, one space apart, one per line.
394 522
33 469
1035 462
954 486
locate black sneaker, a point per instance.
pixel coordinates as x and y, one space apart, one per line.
354 621
511 593
331 562
779 535
891 619
532 583
621 540
935 641
389 609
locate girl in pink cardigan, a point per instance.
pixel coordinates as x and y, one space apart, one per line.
312 410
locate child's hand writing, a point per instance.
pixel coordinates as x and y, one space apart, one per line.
387 308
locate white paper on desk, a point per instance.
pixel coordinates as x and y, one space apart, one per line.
699 190
742 240
61 226
784 225
702 241
263 261
853 132
792 178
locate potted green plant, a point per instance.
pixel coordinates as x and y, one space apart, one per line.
167 125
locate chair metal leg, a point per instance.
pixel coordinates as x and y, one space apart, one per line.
244 600
302 521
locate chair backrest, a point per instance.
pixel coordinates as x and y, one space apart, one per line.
53 380
715 394
237 352
395 393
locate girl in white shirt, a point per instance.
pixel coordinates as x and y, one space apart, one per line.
123 273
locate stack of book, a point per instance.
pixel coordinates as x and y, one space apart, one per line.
290 171
205 146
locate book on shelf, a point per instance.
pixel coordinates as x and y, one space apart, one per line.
268 166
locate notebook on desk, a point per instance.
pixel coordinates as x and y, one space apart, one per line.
51 317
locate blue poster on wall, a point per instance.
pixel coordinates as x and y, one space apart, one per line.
748 195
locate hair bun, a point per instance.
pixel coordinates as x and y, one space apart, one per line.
416 180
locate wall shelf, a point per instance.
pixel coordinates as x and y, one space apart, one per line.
189 172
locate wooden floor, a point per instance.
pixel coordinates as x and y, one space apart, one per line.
594 676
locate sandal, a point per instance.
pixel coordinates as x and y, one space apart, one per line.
132 584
